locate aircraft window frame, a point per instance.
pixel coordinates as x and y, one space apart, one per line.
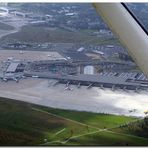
125 5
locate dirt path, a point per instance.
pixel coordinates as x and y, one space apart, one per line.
89 133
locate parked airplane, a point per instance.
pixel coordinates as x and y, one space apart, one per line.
113 88
67 84
68 88
15 79
89 86
4 79
101 87
24 77
79 85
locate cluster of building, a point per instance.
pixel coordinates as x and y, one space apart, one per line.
12 70
67 17
77 72
69 72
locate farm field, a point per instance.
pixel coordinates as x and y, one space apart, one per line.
27 124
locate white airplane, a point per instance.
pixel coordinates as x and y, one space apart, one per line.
79 85
55 83
101 86
113 88
21 52
131 33
68 88
67 84
4 79
89 86
137 90
24 77
124 88
15 79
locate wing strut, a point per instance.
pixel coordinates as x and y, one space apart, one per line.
128 29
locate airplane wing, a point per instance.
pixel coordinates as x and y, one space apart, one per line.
128 29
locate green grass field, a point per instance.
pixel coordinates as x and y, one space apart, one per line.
4 26
108 139
92 119
45 34
27 124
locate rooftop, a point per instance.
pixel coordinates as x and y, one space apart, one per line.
12 67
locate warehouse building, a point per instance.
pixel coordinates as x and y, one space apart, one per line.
12 67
